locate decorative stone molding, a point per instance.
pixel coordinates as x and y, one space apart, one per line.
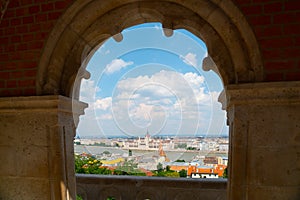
87 23
262 94
41 104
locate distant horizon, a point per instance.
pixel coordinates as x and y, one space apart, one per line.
155 136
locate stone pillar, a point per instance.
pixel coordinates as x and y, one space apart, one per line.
264 152
36 147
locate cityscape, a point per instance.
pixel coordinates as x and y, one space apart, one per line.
190 157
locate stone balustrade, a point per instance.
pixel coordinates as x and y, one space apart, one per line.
101 187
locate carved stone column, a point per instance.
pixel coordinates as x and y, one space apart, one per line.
264 152
36 147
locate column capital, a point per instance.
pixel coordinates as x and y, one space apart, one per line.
53 103
272 93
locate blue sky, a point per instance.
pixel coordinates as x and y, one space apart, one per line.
150 81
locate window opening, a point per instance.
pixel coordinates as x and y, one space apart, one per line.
153 111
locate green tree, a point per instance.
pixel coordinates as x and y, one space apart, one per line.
78 197
172 174
168 168
159 167
79 163
129 152
183 173
191 148
180 160
225 173
167 172
89 165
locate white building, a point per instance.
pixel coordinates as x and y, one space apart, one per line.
224 147
204 175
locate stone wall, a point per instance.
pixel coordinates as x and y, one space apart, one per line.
36 147
155 188
264 141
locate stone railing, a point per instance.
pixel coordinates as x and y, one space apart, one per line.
103 187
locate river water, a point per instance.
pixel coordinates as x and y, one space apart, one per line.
172 155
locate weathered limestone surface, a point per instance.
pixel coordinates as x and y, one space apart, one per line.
264 152
92 187
36 147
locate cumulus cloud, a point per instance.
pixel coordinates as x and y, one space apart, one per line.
163 96
104 116
190 59
103 104
217 115
161 85
88 90
166 100
116 65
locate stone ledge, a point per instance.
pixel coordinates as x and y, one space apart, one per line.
275 93
133 187
53 103
148 181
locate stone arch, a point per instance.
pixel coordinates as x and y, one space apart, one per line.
86 24
81 192
186 195
147 194
110 192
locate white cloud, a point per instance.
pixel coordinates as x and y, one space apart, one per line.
161 85
116 65
141 111
194 79
166 95
105 116
103 104
190 59
88 90
166 100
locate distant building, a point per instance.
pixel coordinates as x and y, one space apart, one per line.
210 161
224 160
162 153
224 147
195 171
177 166
204 175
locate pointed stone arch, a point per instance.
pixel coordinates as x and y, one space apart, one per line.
263 117
86 24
